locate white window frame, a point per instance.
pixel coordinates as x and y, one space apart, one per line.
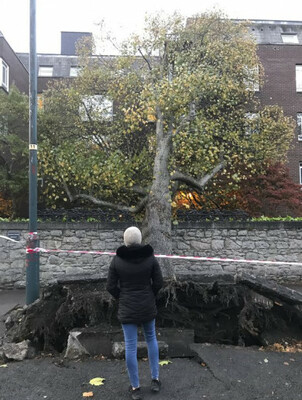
45 71
300 172
74 71
99 108
4 75
299 126
298 78
290 38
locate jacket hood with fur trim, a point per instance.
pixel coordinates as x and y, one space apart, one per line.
134 252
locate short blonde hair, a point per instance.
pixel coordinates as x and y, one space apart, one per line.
132 235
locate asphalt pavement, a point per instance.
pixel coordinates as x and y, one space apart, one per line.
218 372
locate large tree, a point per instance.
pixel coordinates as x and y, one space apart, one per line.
14 150
183 94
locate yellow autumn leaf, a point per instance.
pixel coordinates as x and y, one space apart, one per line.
97 381
165 362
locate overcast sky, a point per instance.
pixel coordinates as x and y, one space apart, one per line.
121 17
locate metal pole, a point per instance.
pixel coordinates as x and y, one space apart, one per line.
32 258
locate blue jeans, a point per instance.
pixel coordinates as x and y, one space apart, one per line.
130 335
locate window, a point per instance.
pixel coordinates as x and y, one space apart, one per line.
97 107
299 126
252 121
74 71
46 70
300 172
252 79
4 75
289 38
299 78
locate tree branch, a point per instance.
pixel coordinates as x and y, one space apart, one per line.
140 190
94 200
197 183
145 58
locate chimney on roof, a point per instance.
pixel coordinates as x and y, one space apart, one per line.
69 42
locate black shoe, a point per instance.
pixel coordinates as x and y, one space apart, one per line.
155 385
135 393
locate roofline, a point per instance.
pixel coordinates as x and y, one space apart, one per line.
67 55
269 21
3 37
89 33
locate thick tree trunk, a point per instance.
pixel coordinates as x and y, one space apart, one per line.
157 223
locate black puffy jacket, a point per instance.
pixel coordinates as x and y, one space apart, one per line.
135 278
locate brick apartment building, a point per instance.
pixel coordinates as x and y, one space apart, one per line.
280 52
279 49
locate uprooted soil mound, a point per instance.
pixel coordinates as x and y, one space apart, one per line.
220 309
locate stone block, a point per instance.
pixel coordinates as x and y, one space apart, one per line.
72 240
178 341
4 267
18 351
56 233
118 349
104 235
81 234
183 246
73 270
231 244
74 348
217 244
92 341
97 244
20 284
196 245
55 260
69 233
3 255
18 265
249 245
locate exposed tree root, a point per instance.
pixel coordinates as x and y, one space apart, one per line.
247 312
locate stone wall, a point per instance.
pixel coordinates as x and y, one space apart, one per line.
279 241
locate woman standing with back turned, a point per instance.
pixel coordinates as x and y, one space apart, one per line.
135 278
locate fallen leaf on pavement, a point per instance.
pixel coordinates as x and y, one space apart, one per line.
97 381
3 366
88 394
165 362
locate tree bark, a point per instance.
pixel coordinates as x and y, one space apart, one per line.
157 222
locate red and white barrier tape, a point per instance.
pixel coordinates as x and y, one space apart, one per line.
8 238
196 258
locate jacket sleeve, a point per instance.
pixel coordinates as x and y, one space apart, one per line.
157 277
112 281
